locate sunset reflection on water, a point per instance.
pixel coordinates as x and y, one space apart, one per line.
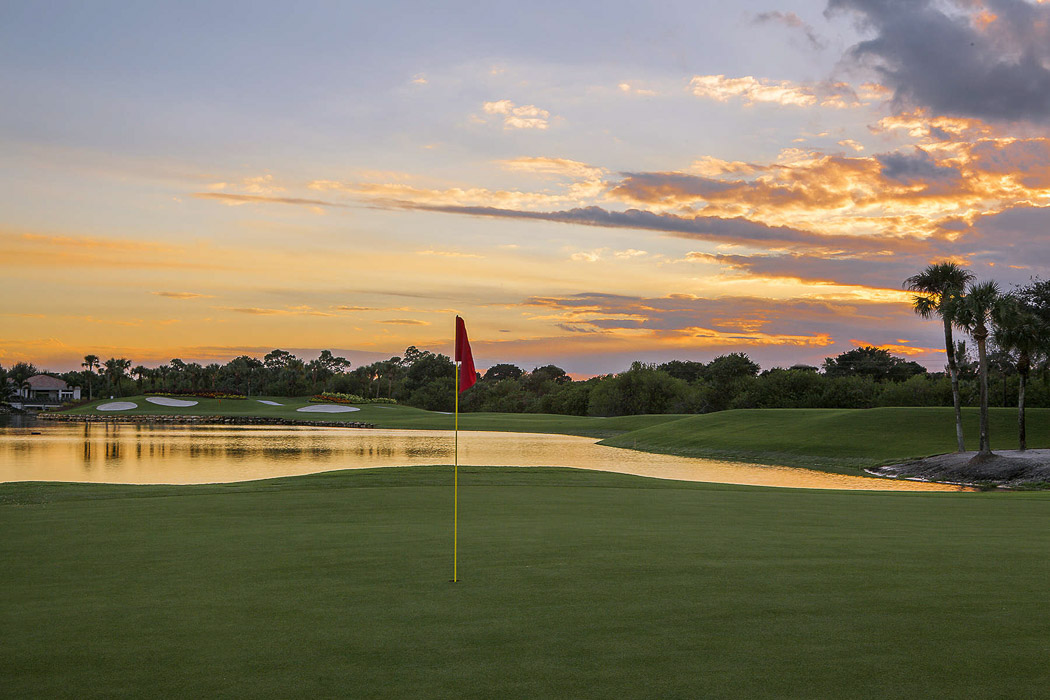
143 454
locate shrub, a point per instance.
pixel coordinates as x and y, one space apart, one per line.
198 394
335 397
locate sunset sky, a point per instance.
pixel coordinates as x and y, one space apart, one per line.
587 184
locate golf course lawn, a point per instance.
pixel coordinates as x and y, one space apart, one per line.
573 584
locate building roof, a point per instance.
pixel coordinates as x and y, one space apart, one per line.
43 381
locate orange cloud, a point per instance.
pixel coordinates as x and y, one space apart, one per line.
898 348
262 311
182 295
239 199
553 166
782 92
518 117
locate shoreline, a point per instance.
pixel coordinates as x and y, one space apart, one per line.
198 420
1006 469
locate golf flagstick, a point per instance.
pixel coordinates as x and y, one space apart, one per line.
455 481
466 375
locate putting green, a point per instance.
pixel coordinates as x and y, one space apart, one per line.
575 584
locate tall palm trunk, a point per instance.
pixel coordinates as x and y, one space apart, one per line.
953 371
981 336
1023 365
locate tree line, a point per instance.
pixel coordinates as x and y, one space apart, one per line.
1007 331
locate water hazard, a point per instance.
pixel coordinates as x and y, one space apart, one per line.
143 454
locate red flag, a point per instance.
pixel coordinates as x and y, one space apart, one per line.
467 373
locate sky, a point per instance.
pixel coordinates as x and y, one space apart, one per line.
586 183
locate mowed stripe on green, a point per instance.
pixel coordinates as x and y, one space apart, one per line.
575 584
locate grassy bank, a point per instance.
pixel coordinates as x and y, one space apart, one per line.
575 584
843 440
387 416
832 439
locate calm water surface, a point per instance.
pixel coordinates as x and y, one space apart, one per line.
140 454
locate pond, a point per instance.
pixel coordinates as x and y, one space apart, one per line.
145 454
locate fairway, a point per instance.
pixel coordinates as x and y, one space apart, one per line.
575 584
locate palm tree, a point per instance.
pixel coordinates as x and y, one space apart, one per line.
116 369
937 286
139 372
973 313
91 363
1024 335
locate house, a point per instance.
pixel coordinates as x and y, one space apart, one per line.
43 390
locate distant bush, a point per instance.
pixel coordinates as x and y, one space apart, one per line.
198 394
335 397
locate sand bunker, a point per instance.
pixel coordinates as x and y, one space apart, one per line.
269 403
118 406
326 408
175 403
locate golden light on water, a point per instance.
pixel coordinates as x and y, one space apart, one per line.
196 455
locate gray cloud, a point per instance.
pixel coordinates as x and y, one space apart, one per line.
736 230
746 320
793 21
915 168
958 63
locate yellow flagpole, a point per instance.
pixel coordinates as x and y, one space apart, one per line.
455 501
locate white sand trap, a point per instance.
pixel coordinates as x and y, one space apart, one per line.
175 403
326 408
118 406
269 403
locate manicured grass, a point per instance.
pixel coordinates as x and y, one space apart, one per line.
845 440
388 416
574 584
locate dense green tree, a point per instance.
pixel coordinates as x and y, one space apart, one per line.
20 372
116 369
783 388
937 288
571 399
684 369
641 389
725 378
918 390
725 369
7 390
277 359
429 368
139 372
502 371
872 362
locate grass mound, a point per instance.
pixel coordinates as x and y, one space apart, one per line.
846 440
575 584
